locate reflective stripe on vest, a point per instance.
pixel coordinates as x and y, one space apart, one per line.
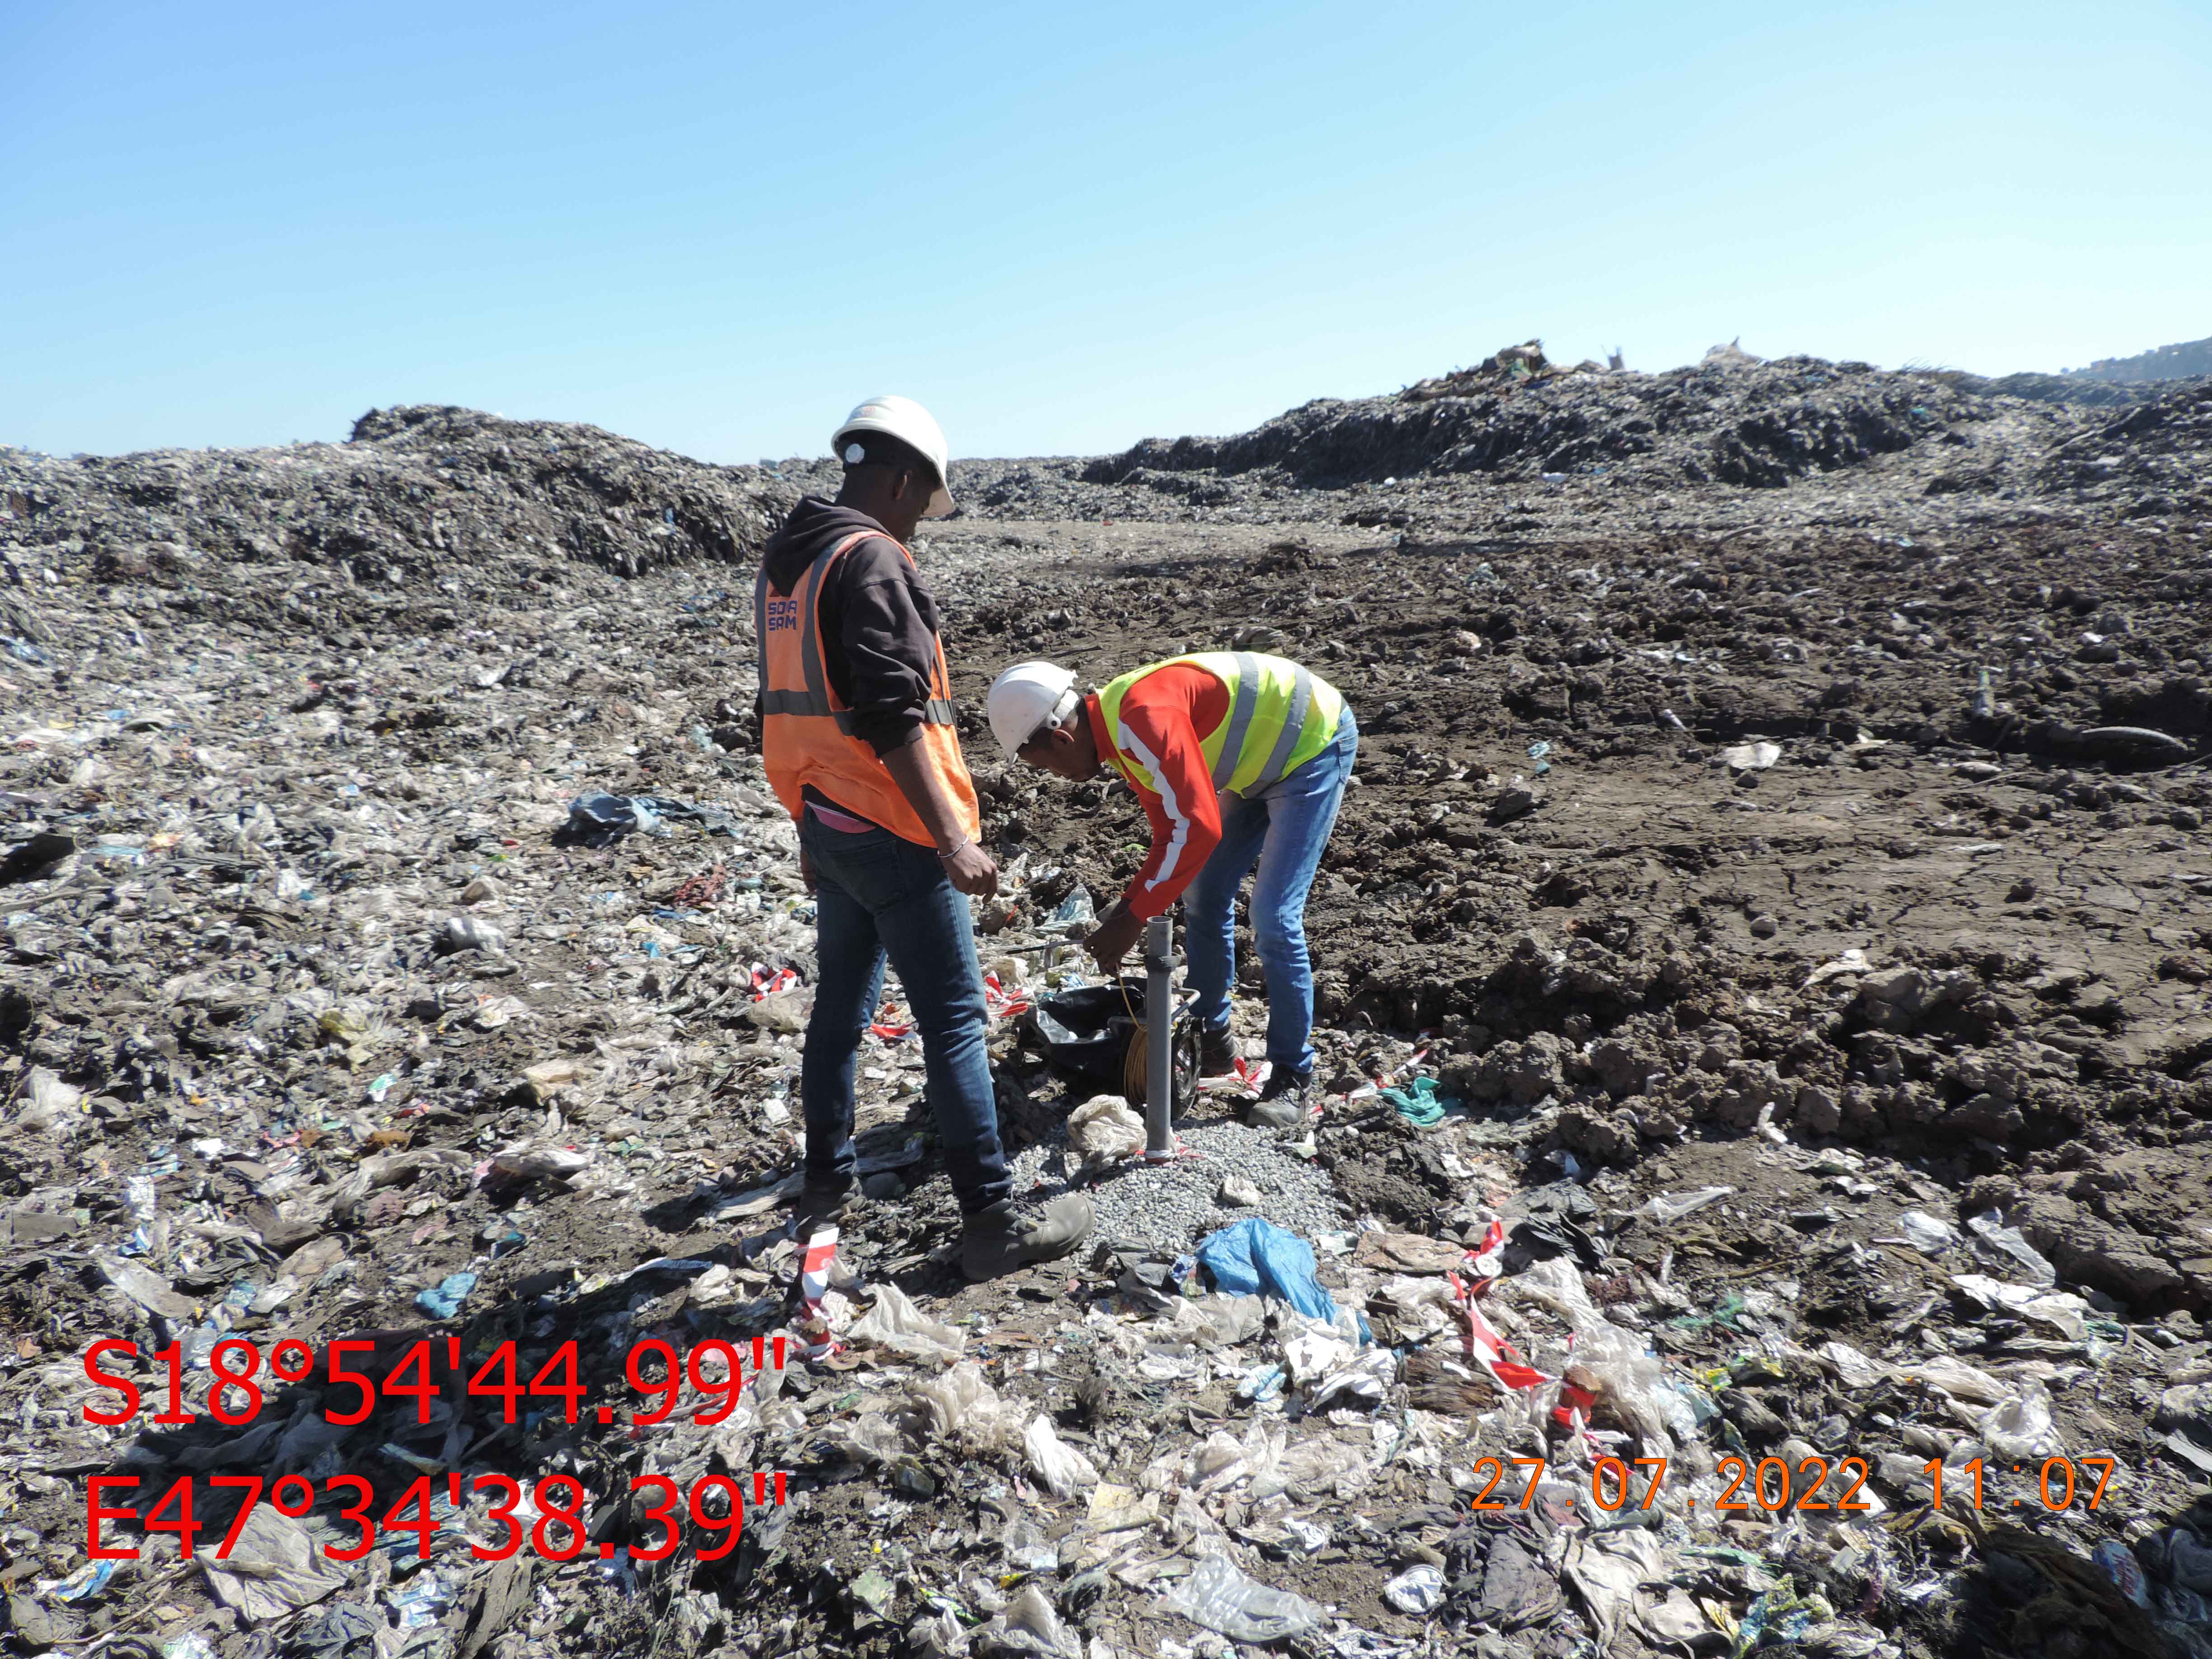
1280 716
815 700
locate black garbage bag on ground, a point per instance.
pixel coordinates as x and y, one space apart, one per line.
1095 1034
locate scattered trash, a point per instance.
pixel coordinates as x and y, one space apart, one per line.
1255 1257
365 935
1418 1590
1105 1130
1419 1102
1673 1206
443 1301
1751 756
896 1324
1062 1469
1220 1597
2027 1259
1924 1233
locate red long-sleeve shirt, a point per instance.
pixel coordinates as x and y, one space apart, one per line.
1157 733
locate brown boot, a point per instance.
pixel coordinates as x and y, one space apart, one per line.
998 1240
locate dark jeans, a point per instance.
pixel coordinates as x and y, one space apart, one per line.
877 894
1283 827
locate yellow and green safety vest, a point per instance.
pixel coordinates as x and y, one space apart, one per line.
1280 716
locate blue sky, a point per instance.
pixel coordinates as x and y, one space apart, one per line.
714 227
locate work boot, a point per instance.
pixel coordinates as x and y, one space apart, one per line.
819 1207
1285 1103
1217 1052
1001 1239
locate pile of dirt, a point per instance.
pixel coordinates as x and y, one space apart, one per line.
424 513
1730 419
2156 459
2168 363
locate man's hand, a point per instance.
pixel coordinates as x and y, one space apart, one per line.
972 871
1113 940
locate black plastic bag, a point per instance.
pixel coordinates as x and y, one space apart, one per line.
1096 1033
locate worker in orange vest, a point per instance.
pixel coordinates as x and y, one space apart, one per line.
858 738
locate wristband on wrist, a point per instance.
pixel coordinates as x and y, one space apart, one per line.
964 841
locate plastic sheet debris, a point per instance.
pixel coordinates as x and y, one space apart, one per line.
2020 1428
1094 1034
444 1299
1781 1614
54 1106
1609 1571
896 1324
1105 1131
785 1010
471 933
535 1161
1673 1206
1255 1256
274 1568
1408 1253
1121 1509
2120 1566
599 819
1924 1233
2185 1414
90 1579
2062 1310
1062 1469
1853 961
1989 1228
1262 1383
1220 1597
1751 756
1364 1382
1418 1590
145 1287
549 1077
961 1406
1028 1626
1239 1194
1419 1102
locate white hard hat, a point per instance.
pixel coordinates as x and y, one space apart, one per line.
1027 696
908 421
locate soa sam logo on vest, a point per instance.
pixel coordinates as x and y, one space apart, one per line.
782 614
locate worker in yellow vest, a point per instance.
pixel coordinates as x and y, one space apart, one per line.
1238 758
857 735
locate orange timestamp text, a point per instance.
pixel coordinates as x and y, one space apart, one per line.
1772 1484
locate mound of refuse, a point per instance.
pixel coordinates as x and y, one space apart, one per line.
424 506
1730 419
2156 459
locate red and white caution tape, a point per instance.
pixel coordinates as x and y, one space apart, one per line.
814 1285
767 984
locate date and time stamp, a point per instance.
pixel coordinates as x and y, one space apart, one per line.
1771 1486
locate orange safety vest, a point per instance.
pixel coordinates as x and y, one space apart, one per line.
806 730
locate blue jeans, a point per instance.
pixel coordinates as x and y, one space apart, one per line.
1284 827
877 894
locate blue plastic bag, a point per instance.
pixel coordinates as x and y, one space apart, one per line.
445 1299
1254 1257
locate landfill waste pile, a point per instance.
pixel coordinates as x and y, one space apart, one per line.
2168 363
1759 1202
